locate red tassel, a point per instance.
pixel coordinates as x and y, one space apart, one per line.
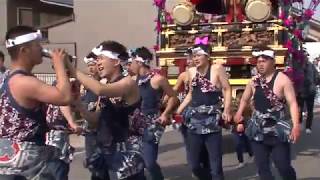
230 15
240 15
195 2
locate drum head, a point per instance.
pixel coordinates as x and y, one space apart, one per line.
183 14
258 10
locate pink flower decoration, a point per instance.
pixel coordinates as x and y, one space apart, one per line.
158 25
286 2
169 18
159 3
289 45
308 13
156 47
282 15
288 70
298 34
288 22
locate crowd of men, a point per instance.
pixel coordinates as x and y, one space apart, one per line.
126 116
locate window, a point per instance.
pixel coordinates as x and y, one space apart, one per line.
25 16
28 17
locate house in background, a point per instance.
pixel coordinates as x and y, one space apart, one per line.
41 14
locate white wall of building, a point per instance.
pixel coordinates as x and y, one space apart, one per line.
130 22
313 49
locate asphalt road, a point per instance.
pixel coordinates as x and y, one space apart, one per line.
305 156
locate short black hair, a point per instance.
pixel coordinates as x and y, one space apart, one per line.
91 55
15 32
1 56
144 53
116 47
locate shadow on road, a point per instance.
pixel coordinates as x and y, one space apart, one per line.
174 172
170 147
308 143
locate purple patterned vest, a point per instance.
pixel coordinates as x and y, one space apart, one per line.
18 123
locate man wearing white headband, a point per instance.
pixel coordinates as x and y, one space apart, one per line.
22 116
118 150
152 87
90 101
269 129
202 116
129 62
183 81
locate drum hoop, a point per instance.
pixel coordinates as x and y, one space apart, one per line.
266 2
190 9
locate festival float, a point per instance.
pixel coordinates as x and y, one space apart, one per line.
234 28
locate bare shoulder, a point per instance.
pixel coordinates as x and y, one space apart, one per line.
183 76
158 78
218 69
217 66
134 77
191 72
25 82
192 69
283 78
128 81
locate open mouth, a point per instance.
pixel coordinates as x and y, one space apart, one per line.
100 68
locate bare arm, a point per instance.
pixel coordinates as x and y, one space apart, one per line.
91 117
188 97
116 89
35 89
185 102
63 84
173 100
244 102
226 89
179 83
290 96
67 113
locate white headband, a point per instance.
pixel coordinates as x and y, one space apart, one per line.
99 51
200 51
90 60
23 39
268 53
96 51
140 59
188 52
